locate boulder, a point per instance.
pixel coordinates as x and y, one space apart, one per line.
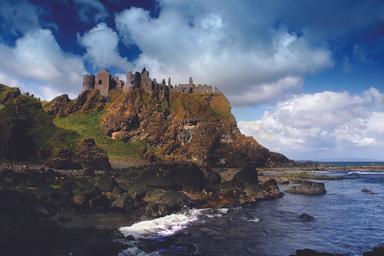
175 200
308 188
83 191
105 183
91 157
306 217
156 210
365 190
247 175
123 202
213 178
377 251
64 160
309 252
99 202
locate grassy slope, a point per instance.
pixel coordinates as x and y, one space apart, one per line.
87 125
38 126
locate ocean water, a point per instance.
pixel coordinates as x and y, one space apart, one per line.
346 221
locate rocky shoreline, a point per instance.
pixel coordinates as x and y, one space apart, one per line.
56 212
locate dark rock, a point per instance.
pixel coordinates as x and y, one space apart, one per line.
213 178
377 251
124 202
365 190
309 252
99 202
156 210
105 183
175 200
63 161
90 173
306 217
60 106
247 175
308 188
91 157
83 191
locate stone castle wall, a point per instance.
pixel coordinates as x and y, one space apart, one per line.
104 82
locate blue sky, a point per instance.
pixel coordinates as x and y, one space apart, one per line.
305 78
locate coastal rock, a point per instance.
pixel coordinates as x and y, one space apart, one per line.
365 190
309 252
91 157
175 200
100 202
247 175
124 202
213 178
306 217
105 183
64 161
195 128
377 251
308 188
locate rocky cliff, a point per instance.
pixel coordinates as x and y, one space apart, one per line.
177 127
185 127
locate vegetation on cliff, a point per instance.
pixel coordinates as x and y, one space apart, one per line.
27 131
139 126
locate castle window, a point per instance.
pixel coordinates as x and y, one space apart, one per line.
100 81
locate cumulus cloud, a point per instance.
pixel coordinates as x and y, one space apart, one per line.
101 45
207 40
38 61
336 123
91 10
19 17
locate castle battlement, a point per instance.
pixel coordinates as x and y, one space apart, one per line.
104 82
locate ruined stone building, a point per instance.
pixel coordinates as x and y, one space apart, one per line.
104 82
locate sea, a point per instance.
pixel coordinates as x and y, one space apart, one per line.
346 220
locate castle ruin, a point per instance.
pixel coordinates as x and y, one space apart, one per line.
105 82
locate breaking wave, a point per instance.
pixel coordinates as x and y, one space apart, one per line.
170 224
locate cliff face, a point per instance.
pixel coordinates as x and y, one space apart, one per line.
144 125
197 128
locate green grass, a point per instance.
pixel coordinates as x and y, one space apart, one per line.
87 125
1 107
5 90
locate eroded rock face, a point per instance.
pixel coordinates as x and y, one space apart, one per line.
308 188
62 106
186 128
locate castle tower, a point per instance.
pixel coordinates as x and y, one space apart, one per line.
190 81
103 82
145 80
88 82
136 80
129 83
169 82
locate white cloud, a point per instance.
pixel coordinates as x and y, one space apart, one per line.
91 10
323 125
209 41
18 17
101 44
37 61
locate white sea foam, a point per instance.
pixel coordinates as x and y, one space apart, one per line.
135 251
256 220
170 224
366 173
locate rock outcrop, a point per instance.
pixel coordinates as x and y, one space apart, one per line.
308 188
197 128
